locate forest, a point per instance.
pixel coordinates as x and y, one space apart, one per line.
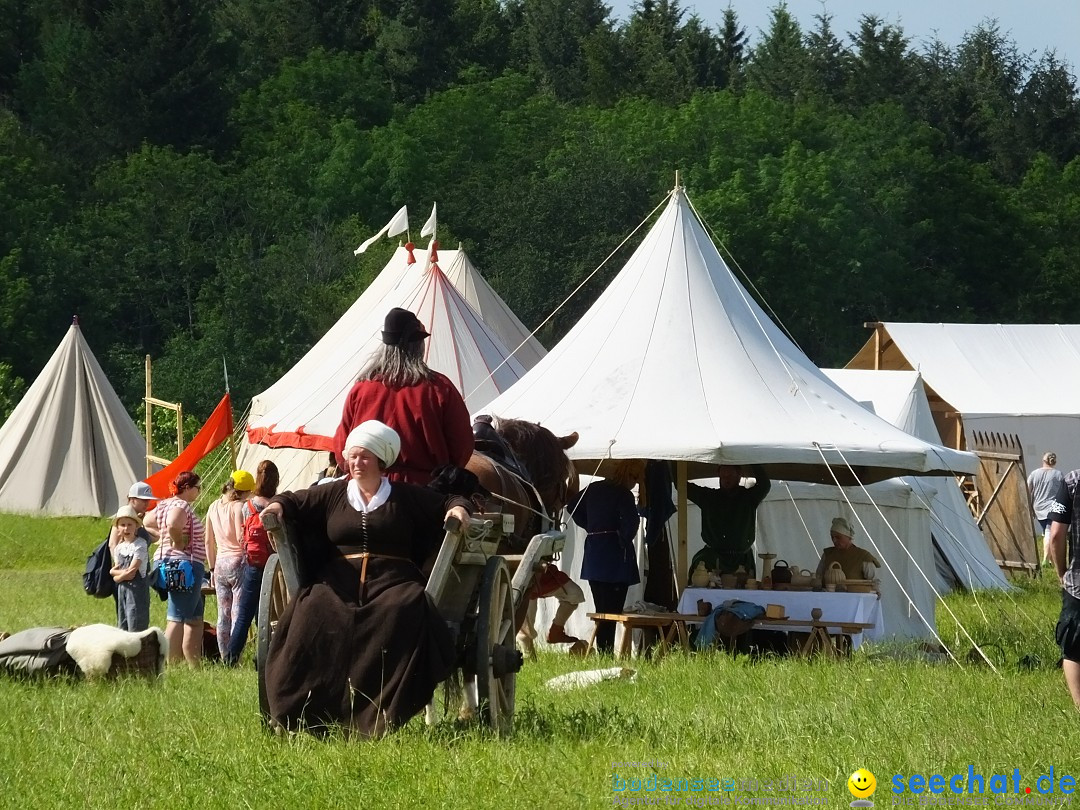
191 178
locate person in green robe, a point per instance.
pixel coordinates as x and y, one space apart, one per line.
729 518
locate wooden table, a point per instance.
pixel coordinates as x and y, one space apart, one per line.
839 610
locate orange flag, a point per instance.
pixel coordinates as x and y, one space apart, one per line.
216 430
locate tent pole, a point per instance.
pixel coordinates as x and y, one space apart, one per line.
148 411
680 557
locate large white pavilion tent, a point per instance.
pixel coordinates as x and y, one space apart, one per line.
676 361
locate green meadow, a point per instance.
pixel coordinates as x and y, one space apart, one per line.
194 737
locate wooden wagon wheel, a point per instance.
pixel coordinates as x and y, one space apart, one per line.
497 659
273 596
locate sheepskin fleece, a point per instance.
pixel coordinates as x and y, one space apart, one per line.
93 646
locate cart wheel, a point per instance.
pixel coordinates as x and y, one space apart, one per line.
497 658
272 598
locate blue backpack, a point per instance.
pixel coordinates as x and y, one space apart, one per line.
97 581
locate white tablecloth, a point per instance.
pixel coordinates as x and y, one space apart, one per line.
835 607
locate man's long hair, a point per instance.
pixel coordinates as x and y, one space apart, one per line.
398 366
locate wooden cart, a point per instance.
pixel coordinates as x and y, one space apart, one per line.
479 592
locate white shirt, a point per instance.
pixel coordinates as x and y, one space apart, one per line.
356 500
129 550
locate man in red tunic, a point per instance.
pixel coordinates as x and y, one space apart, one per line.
399 389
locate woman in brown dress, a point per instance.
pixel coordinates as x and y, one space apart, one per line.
363 647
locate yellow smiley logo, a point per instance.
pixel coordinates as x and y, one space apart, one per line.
862 784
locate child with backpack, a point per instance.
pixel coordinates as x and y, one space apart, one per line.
129 571
257 550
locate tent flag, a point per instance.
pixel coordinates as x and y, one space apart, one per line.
397 225
432 221
216 430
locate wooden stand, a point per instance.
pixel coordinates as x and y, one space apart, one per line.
667 623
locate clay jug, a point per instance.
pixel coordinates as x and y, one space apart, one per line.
781 573
834 575
741 575
700 576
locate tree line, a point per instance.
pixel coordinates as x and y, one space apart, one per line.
190 178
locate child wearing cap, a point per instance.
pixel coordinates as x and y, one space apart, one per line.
130 564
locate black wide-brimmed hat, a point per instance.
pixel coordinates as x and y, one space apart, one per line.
401 326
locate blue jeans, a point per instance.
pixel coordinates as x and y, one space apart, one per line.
244 609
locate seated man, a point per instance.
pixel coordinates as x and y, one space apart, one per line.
858 563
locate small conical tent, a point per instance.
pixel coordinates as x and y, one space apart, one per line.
473 334
899 396
69 447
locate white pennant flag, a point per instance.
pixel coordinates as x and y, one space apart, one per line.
429 226
399 224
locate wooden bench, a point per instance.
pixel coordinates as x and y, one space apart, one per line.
669 624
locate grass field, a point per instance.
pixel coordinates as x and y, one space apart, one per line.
195 737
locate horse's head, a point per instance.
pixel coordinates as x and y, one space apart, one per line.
544 456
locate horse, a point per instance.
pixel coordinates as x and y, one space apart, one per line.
534 494
550 479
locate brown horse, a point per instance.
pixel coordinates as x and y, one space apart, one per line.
553 478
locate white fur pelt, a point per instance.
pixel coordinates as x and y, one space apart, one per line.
93 645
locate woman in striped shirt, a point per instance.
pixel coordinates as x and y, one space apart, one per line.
183 535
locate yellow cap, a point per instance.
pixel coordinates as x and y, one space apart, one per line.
243 481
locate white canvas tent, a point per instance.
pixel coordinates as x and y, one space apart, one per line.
69 447
676 361
473 338
899 396
1001 378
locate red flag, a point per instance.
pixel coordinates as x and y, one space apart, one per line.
216 430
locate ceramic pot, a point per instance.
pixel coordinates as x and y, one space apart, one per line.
834 575
781 573
700 577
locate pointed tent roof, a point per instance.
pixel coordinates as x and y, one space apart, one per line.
462 273
303 408
676 361
69 447
900 397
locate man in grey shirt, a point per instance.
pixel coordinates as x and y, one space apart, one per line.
1042 486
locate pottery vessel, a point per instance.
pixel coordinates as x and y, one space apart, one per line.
781 573
700 577
834 575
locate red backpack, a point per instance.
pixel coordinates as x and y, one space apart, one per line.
256 542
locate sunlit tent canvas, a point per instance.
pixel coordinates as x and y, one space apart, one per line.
473 338
676 361
69 447
1000 378
962 555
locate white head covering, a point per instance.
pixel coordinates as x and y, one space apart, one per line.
380 439
841 526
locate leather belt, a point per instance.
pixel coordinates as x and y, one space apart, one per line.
364 556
